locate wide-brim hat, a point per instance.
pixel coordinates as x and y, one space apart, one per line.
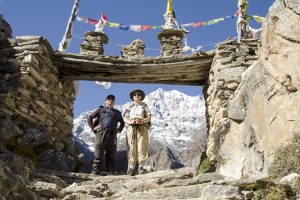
137 91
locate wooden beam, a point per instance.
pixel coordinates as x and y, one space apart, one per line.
186 70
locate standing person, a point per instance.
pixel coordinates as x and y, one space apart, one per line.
137 116
104 123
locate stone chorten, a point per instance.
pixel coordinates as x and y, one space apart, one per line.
93 43
171 42
170 38
134 51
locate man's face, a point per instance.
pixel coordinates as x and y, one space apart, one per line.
110 102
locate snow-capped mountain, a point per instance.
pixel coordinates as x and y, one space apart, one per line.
177 121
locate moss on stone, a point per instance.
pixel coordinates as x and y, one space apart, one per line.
28 152
271 193
287 159
13 146
204 165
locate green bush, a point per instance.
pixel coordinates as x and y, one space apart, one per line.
287 159
271 193
204 165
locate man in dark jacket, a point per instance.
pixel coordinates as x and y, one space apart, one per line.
104 123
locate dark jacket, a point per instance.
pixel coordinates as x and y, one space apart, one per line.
106 118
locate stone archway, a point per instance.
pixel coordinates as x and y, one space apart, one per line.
38 88
38 92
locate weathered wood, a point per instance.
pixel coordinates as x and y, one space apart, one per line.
185 70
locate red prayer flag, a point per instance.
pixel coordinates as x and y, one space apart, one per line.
92 21
103 19
198 24
145 27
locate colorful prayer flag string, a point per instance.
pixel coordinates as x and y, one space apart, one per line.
139 28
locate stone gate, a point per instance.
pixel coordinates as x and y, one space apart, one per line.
37 90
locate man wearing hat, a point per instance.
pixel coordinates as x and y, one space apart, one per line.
104 123
137 117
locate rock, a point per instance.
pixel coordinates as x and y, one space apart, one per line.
264 108
164 159
46 190
70 147
42 177
17 164
237 108
208 177
57 160
13 186
220 192
8 129
97 190
79 196
231 74
34 137
232 85
290 179
141 185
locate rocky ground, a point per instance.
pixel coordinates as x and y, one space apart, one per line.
168 184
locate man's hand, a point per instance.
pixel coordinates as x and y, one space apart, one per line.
94 131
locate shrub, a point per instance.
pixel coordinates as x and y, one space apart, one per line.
287 159
271 193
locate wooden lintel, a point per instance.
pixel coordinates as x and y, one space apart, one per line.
189 70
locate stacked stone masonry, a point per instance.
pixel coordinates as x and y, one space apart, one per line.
231 61
93 43
170 41
134 51
34 103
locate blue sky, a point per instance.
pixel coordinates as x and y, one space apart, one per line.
49 18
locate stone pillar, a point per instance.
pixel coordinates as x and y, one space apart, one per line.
36 106
170 41
93 43
227 73
133 51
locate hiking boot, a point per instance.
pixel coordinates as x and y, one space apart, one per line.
112 173
142 170
95 173
103 173
131 172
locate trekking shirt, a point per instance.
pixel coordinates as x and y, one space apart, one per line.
106 118
140 111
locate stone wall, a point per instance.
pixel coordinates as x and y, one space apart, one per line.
253 117
36 107
231 61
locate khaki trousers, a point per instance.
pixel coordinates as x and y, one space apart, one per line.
137 139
